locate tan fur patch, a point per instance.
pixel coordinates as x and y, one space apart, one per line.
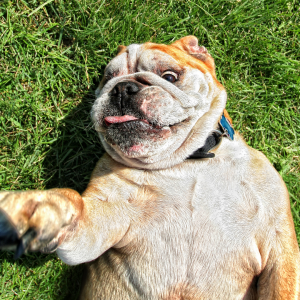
72 195
121 49
183 58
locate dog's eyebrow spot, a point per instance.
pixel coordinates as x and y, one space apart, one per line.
181 57
160 63
108 76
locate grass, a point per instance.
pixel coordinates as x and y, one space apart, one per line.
52 54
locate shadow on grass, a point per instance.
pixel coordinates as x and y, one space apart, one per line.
73 156
69 163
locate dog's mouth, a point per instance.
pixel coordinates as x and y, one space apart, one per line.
126 119
134 137
120 119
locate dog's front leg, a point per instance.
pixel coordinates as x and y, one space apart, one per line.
43 221
102 225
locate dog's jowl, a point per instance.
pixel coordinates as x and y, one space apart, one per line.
179 207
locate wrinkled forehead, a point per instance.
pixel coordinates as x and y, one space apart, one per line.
151 57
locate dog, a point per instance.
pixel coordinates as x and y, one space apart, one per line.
179 207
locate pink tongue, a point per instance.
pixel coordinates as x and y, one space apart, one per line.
118 119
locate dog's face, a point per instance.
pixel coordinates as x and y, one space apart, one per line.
151 98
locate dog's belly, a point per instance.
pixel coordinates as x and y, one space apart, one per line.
198 243
186 265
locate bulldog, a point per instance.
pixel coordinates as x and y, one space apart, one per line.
180 207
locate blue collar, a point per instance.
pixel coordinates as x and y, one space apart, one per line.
228 130
225 129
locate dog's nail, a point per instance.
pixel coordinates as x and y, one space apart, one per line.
24 243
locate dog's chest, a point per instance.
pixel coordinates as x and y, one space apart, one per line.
209 202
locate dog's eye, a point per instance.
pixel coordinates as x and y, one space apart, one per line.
108 77
170 76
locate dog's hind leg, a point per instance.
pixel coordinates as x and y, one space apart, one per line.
280 278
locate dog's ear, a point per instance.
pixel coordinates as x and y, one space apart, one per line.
190 45
121 49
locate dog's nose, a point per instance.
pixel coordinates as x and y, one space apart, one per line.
125 89
123 92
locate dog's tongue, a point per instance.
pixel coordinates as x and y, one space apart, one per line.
118 119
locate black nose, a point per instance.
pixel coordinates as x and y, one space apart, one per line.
123 92
125 89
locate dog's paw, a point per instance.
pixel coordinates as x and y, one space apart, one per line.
34 220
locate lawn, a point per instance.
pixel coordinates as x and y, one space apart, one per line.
52 56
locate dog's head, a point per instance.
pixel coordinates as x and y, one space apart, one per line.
158 103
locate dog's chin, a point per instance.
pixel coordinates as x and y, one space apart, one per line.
136 138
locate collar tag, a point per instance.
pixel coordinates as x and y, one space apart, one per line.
227 128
